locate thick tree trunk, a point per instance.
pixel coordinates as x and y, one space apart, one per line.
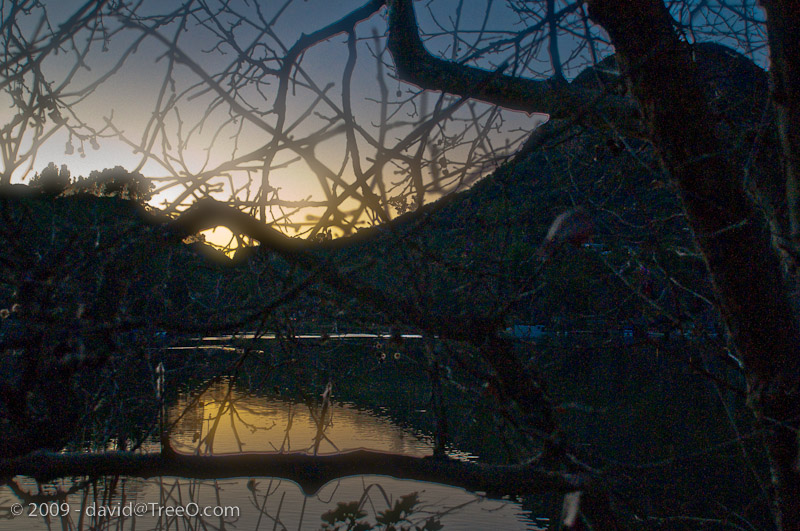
783 25
731 234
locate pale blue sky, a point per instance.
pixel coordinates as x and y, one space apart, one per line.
130 95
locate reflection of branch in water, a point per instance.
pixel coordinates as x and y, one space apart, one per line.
276 503
228 406
172 495
208 440
233 368
252 485
324 420
286 445
367 488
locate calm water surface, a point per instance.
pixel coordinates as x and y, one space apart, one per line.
224 420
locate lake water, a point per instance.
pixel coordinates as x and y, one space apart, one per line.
225 420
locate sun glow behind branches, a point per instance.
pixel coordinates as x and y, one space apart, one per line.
161 113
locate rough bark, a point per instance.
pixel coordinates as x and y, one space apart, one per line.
731 234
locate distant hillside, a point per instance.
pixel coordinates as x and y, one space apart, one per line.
90 280
472 254
475 251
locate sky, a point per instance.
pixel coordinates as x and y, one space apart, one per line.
165 104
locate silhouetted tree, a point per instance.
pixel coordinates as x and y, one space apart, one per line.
700 109
671 109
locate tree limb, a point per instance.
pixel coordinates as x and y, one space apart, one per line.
730 232
309 471
559 99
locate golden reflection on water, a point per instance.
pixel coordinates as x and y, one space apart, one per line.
226 420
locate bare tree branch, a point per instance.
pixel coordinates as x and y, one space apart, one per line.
308 471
